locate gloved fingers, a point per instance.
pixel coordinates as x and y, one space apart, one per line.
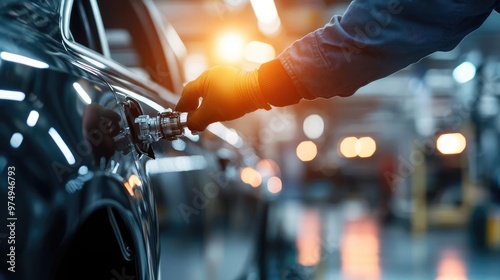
199 119
191 94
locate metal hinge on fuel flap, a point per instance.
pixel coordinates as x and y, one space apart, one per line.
145 130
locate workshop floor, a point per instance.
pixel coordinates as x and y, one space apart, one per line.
341 242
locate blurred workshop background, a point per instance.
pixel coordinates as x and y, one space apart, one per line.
399 181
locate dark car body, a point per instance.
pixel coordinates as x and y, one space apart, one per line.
78 188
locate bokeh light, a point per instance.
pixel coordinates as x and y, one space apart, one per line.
348 147
274 185
365 147
314 126
307 151
451 143
251 176
267 167
464 72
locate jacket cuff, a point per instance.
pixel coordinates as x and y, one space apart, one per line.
276 86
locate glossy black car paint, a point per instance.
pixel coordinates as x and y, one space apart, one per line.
55 193
83 198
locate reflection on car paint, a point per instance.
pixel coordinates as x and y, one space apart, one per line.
12 95
7 56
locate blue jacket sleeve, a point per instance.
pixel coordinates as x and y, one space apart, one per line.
375 38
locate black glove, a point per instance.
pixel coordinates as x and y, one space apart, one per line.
227 93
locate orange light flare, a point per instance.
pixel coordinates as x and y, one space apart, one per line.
230 46
360 252
309 238
451 267
251 176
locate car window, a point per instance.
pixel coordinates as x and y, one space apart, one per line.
134 40
85 26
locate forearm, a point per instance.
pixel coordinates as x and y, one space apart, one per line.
371 40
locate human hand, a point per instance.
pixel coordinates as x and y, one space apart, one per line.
227 93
